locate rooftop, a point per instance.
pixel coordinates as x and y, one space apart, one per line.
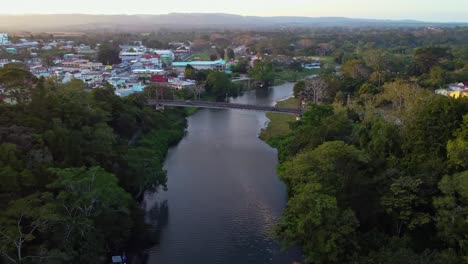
198 63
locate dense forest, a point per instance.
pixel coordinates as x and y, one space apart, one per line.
73 164
376 169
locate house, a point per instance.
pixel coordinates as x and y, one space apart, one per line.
455 90
444 92
219 65
72 56
89 65
34 61
89 77
181 83
130 55
4 39
129 88
3 62
84 49
137 66
40 71
152 58
459 94
147 72
11 50
159 79
133 48
314 65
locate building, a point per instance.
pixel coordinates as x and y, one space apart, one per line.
130 55
459 94
12 50
133 48
154 59
3 62
85 50
147 72
219 65
4 39
456 90
159 79
180 83
40 71
167 56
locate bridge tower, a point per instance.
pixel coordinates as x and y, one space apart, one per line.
159 95
159 92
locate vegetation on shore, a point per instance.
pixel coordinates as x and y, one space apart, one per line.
279 124
376 169
285 75
72 166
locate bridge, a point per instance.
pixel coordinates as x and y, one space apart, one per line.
223 105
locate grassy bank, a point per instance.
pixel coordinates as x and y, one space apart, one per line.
282 76
279 123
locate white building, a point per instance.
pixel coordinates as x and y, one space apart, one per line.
4 39
130 55
3 62
219 65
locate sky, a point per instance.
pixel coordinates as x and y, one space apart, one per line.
426 10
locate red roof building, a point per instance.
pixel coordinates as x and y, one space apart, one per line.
158 79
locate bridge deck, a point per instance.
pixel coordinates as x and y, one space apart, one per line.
222 105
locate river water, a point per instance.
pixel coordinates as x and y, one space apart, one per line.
224 196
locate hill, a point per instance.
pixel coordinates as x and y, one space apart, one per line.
144 23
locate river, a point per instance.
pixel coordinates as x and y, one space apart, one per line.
224 196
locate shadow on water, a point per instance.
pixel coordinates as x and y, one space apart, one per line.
156 219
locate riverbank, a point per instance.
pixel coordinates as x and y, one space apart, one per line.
146 155
283 76
279 124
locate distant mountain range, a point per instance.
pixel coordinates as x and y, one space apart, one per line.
145 23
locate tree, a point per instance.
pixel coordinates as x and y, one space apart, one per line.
84 196
262 72
314 91
241 67
218 84
325 190
18 84
457 148
402 202
197 90
452 211
221 52
299 88
437 77
108 54
314 221
213 57
427 58
21 222
189 72
355 69
230 54
376 59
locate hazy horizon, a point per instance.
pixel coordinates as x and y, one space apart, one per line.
436 11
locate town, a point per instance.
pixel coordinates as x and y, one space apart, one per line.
130 67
